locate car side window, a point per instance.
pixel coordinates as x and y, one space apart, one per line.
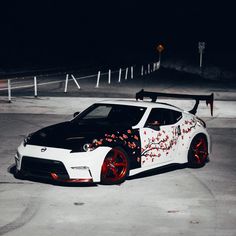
162 116
176 116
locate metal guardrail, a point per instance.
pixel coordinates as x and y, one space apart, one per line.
35 81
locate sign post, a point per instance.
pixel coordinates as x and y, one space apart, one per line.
201 47
160 49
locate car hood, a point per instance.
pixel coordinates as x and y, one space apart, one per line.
69 135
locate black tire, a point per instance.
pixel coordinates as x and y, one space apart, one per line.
115 167
198 152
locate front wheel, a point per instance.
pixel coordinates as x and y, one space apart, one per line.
18 174
115 167
198 152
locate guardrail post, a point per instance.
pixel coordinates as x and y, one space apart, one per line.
35 87
98 79
9 90
75 81
142 69
66 83
119 78
132 72
109 76
126 73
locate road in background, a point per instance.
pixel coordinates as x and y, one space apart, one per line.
163 80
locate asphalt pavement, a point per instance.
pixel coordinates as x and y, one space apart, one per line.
171 201
165 202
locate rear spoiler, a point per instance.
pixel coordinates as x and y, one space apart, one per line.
153 95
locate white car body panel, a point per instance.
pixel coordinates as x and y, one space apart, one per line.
93 160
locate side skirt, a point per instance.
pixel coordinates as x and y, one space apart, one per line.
143 169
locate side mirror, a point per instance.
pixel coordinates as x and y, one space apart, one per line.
76 114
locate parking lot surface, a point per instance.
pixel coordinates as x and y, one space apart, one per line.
164 202
171 201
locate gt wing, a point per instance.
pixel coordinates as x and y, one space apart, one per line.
153 95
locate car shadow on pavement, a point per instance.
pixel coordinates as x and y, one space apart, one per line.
12 170
148 173
158 171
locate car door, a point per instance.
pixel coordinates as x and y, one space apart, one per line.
159 137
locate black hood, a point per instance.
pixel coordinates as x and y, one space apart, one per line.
69 135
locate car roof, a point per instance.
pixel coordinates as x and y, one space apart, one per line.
147 104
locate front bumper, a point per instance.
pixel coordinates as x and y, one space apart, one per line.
59 164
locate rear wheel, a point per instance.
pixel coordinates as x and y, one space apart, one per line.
198 152
115 167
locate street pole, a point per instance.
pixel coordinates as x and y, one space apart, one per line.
201 47
160 48
200 63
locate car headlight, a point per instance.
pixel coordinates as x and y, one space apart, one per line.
27 139
87 147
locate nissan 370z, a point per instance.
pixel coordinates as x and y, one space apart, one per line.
112 140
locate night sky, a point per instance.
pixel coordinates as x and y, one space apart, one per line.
89 32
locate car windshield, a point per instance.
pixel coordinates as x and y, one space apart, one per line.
111 114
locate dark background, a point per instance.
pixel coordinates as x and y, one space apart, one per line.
91 33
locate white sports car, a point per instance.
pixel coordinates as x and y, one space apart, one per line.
112 140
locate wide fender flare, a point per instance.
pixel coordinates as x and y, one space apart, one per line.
203 132
96 163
